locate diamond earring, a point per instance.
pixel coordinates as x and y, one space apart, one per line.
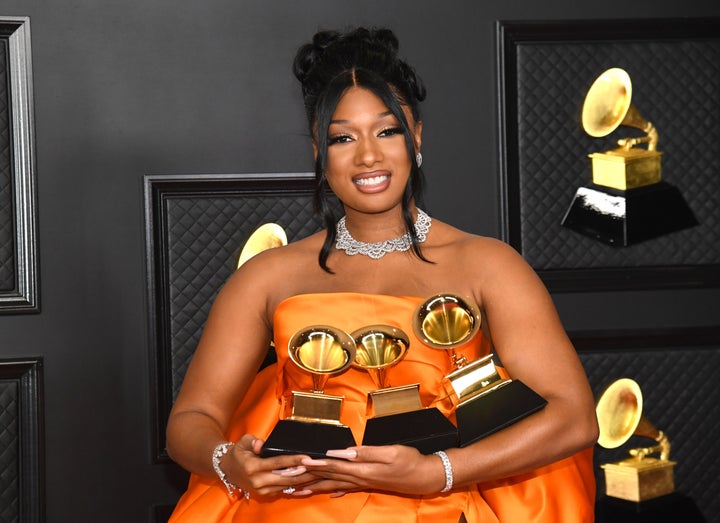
418 159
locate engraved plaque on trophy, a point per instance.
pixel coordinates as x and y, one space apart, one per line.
314 425
397 415
485 401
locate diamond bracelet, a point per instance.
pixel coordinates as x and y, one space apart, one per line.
447 467
218 453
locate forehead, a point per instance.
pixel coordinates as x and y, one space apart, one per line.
360 100
360 103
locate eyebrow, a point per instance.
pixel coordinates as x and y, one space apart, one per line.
379 116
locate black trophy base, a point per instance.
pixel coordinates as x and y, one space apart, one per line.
426 430
310 439
669 508
495 410
621 218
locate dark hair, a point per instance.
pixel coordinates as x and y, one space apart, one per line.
327 68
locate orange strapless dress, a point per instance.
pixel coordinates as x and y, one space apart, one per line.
562 492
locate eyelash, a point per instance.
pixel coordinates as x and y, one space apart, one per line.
345 138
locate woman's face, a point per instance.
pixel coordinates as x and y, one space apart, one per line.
367 161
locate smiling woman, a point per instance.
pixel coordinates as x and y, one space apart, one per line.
374 268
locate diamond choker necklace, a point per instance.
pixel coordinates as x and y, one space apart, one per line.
377 250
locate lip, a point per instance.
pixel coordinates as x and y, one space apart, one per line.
372 182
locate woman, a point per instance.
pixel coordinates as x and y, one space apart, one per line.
376 266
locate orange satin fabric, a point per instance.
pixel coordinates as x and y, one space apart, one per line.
562 492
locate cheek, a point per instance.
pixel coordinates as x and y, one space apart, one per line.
337 162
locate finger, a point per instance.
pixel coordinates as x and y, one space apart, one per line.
246 442
369 454
290 471
257 445
333 487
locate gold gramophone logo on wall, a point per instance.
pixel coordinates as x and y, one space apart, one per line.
267 236
627 201
640 477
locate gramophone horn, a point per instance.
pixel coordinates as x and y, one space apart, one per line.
322 351
607 106
619 413
267 236
379 347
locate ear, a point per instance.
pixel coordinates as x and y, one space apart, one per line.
417 136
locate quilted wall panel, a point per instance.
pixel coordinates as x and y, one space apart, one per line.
681 398
9 457
205 236
676 86
7 228
545 71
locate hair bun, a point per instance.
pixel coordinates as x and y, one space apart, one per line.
330 54
309 55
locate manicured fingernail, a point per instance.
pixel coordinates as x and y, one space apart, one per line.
290 471
304 492
342 454
337 494
316 462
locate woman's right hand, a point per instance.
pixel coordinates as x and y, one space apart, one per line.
266 477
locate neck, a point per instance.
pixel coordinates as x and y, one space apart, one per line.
377 227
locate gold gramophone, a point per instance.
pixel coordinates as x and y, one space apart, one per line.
485 402
627 202
638 478
314 426
267 236
396 414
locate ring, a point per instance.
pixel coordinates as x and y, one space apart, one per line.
288 490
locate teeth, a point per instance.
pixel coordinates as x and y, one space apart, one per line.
371 181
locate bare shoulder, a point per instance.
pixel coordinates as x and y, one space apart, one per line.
486 264
483 250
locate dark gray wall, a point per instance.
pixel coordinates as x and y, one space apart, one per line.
124 89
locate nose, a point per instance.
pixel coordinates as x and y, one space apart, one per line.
368 152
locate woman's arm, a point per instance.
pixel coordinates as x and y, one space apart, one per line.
533 347
233 344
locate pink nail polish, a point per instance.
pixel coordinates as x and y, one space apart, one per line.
342 453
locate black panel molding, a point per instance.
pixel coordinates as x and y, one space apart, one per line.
22 386
18 213
654 339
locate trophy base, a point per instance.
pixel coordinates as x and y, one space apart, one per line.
622 218
310 439
668 508
487 413
427 430
639 480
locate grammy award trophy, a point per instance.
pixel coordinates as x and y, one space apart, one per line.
638 478
485 401
314 425
627 201
397 415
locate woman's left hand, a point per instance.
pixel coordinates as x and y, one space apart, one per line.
395 468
